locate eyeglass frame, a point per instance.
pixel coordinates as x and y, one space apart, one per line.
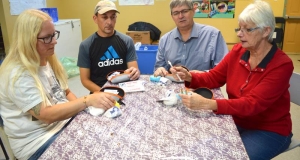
183 12
56 32
248 30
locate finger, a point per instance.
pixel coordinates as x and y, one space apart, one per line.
135 75
163 72
108 104
128 70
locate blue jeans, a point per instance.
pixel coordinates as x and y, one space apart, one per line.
43 148
263 145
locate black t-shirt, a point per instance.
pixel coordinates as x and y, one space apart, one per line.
105 54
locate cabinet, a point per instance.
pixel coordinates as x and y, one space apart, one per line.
69 39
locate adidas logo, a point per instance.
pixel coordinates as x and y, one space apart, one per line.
110 58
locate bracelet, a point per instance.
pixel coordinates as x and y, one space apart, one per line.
84 101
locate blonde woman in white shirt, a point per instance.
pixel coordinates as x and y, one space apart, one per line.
36 103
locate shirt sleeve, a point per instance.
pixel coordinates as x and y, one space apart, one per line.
131 54
24 93
83 55
160 56
220 50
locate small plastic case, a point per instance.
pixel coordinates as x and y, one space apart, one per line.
204 92
118 76
117 92
170 77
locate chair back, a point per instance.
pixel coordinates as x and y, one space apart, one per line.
295 98
278 35
295 88
8 153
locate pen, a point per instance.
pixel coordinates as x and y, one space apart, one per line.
176 73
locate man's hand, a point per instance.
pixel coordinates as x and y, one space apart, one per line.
161 71
134 73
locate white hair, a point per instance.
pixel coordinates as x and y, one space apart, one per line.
261 14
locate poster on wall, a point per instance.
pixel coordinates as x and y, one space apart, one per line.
18 6
214 8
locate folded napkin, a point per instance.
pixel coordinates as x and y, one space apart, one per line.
95 111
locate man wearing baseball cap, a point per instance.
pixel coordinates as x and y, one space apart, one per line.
106 50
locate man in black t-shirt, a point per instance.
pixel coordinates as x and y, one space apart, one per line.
106 50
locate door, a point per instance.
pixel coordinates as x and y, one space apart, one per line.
291 43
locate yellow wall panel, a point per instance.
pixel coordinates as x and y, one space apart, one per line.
157 14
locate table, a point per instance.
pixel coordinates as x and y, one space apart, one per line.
150 130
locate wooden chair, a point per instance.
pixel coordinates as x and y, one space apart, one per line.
295 98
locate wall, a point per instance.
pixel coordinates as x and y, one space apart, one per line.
157 14
7 22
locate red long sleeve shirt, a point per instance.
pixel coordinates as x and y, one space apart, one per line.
259 98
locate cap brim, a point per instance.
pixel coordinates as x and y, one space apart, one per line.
102 11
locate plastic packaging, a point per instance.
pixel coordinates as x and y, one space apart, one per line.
114 111
70 66
137 45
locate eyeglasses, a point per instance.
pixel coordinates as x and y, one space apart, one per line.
183 12
248 30
48 39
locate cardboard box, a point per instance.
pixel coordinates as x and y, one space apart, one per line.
140 36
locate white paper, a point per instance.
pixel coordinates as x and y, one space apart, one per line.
18 6
132 86
114 91
135 2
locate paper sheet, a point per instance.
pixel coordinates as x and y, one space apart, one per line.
18 6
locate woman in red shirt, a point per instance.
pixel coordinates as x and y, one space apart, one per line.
256 74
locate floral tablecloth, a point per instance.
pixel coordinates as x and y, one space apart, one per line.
148 129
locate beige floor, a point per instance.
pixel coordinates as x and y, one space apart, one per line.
295 111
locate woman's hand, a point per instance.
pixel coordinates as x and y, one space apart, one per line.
100 100
134 73
195 101
183 73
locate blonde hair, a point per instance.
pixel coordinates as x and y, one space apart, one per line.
23 53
